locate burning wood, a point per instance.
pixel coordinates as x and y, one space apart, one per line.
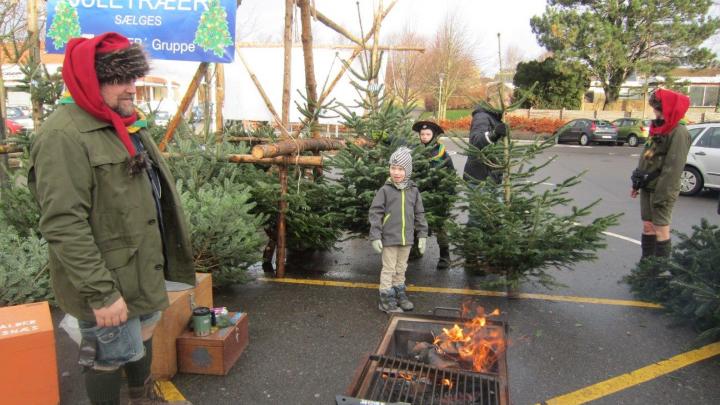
471 347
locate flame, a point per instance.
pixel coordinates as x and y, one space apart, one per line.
447 383
475 343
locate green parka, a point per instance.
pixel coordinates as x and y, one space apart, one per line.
666 155
101 224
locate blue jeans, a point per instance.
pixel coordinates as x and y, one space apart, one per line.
117 345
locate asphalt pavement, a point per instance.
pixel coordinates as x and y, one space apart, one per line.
307 339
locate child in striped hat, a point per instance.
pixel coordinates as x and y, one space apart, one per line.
396 215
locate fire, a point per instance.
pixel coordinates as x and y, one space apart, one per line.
473 343
447 383
405 376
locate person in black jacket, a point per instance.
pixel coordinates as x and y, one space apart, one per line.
486 128
429 132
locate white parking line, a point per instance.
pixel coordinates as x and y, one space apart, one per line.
615 235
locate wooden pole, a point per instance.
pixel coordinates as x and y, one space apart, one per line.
33 36
287 69
7 149
264 96
296 146
184 103
310 83
219 100
310 161
4 162
280 253
337 28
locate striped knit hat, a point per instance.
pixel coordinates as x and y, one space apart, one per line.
402 157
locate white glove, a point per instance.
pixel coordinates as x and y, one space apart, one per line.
377 245
421 245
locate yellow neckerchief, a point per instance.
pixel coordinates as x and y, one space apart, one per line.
441 152
136 126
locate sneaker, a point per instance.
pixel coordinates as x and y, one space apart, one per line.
402 299
388 302
150 394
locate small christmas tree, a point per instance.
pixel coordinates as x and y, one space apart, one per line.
212 33
516 230
65 24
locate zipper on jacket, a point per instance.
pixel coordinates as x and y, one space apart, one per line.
402 197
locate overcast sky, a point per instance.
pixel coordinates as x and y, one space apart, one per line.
262 20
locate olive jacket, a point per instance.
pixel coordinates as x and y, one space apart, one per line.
101 223
665 155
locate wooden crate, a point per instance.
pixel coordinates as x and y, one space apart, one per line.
28 369
174 322
215 353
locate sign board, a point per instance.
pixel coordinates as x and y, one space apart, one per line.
188 30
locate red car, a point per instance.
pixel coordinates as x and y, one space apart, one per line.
13 128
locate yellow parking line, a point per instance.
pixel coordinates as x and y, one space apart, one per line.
636 377
169 391
464 291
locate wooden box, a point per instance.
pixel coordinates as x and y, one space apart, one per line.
28 369
215 353
174 322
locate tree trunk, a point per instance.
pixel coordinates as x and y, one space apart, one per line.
291 147
307 40
287 67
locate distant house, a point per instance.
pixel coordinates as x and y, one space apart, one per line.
703 87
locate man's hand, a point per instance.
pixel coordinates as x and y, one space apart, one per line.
422 242
113 315
377 245
499 132
633 193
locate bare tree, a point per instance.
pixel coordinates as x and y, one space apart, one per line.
449 64
512 56
402 80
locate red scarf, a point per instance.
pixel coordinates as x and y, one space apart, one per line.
674 106
81 80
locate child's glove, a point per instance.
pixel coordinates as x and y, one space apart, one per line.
499 132
421 245
377 245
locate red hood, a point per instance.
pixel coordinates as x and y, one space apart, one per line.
674 106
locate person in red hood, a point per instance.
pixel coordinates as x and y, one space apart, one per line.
657 177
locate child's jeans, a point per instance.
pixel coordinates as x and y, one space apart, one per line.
395 262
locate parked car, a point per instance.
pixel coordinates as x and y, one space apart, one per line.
13 128
21 116
586 131
702 169
633 131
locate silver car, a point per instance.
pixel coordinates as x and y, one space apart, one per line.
702 169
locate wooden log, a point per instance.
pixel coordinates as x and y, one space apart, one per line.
287 67
184 104
336 27
7 149
219 100
312 161
307 38
280 251
289 147
248 139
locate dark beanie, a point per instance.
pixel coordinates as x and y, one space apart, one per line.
121 65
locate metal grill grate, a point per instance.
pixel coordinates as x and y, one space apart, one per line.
400 380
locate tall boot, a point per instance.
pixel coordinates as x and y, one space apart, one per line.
444 261
402 298
647 244
388 301
663 248
103 387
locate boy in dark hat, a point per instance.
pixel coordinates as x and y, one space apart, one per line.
429 132
657 177
111 215
396 216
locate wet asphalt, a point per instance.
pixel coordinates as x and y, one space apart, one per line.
307 341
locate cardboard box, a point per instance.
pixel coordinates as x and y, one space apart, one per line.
28 369
213 354
174 322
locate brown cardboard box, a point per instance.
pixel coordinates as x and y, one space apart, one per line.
28 369
215 353
174 321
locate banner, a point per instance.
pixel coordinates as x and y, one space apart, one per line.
189 30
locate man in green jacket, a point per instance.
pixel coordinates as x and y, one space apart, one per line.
111 215
657 177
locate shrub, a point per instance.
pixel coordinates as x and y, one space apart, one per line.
23 273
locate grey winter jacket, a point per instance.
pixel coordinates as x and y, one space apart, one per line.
395 215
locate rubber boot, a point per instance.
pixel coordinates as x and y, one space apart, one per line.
444 261
402 298
149 394
663 248
647 244
388 301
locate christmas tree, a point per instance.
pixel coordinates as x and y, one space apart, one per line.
516 228
212 33
65 25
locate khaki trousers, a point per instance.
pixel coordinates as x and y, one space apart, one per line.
395 262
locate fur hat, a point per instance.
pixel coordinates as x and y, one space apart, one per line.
435 128
122 65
